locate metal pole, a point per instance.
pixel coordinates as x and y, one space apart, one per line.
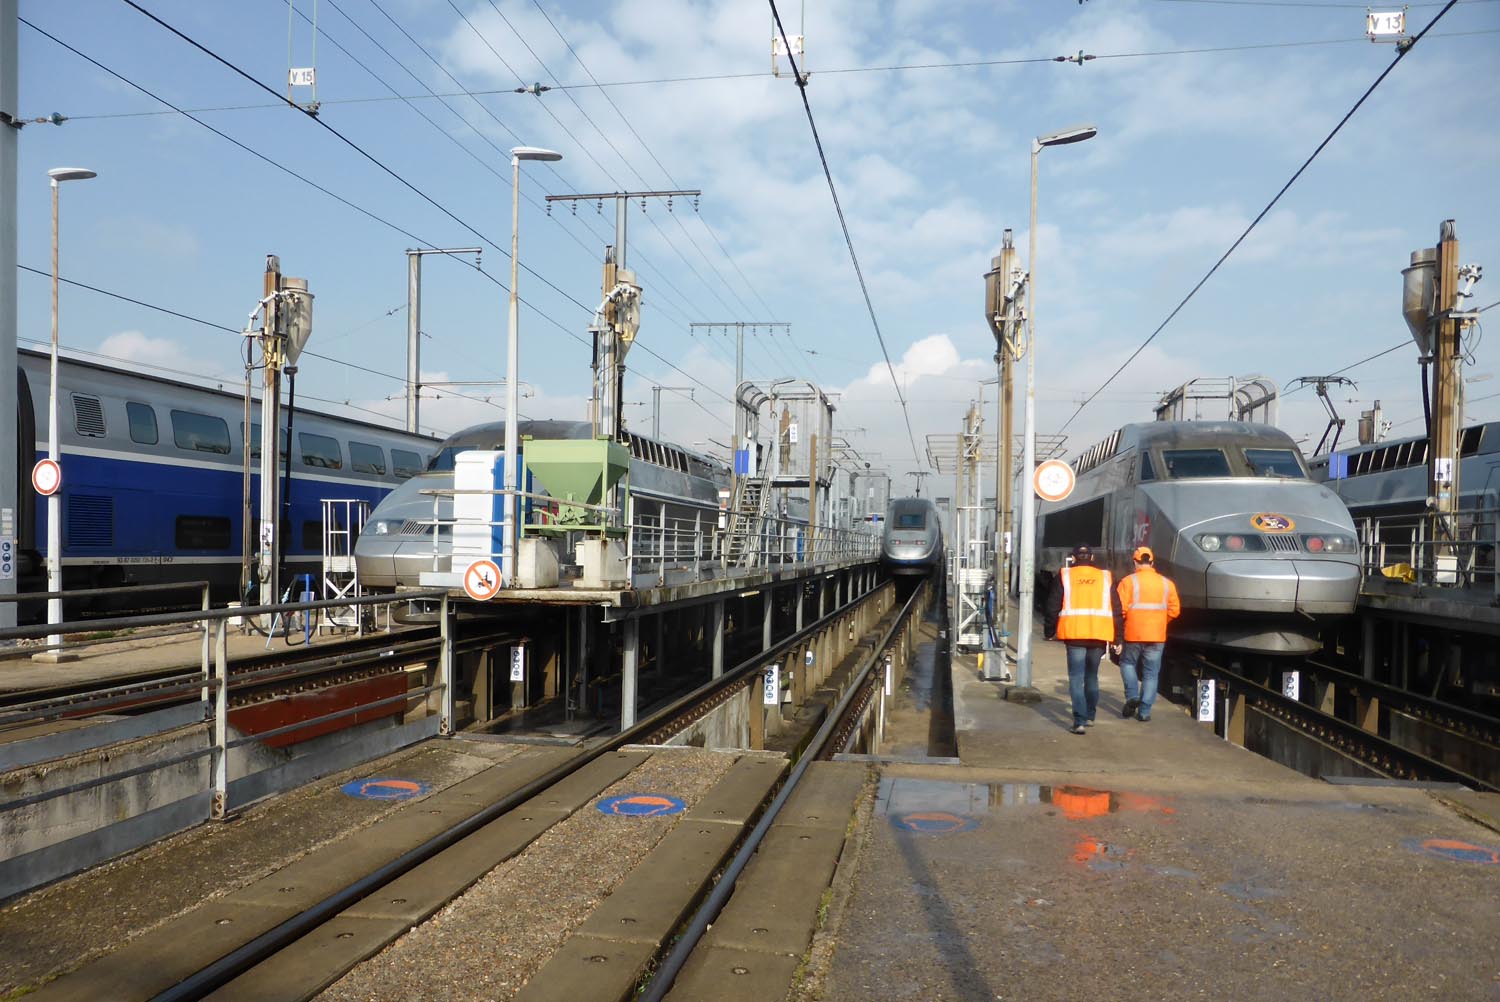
413 339
54 500
656 412
620 228
1028 458
270 436
10 486
512 387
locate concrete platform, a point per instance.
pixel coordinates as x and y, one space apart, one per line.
1149 860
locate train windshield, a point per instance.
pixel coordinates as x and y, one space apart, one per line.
1187 464
443 461
1274 463
911 520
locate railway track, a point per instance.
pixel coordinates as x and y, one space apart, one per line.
280 945
1367 745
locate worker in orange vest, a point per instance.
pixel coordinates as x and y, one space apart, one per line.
1079 613
1145 603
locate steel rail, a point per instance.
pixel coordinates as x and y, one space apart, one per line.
672 964
219 973
1461 719
1368 749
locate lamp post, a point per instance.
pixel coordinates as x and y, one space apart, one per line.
1077 134
54 500
513 362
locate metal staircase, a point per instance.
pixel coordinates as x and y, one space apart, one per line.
752 499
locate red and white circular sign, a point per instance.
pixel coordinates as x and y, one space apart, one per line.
46 477
482 580
1053 480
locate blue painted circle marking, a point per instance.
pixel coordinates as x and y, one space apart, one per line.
1455 850
641 805
934 822
384 789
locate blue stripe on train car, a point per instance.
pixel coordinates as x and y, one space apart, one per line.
117 508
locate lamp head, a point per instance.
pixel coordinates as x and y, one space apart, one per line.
70 174
1076 134
534 153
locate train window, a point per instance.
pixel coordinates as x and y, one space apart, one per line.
1274 463
255 441
202 532
1187 464
200 432
1081 523
911 520
366 458
88 416
1147 471
142 422
320 451
1468 440
405 464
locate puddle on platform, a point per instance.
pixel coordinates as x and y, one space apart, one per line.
900 799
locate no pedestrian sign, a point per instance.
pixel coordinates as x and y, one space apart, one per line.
1053 480
482 580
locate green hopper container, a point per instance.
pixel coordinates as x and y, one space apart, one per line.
581 470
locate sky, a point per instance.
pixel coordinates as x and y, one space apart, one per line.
1205 109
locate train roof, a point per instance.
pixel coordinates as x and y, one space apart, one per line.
1182 434
238 397
910 504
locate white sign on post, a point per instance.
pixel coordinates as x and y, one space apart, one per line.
518 663
302 76
773 685
1291 685
7 544
1385 25
1206 701
791 433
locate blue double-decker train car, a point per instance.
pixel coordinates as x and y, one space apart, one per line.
152 486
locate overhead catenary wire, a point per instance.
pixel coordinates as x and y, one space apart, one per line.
712 77
366 155
1400 54
844 225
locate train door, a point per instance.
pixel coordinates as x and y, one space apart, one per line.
25 460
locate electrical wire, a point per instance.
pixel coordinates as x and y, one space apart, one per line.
844 225
1400 54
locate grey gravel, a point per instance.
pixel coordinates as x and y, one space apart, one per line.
487 943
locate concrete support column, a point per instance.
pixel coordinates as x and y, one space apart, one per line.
1326 697
716 631
629 671
1234 726
767 611
1367 713
658 651
801 595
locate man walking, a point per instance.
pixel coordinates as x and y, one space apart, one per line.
1145 603
1078 613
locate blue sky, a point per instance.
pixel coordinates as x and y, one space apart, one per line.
931 166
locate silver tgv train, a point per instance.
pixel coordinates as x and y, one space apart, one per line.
1260 554
396 547
912 539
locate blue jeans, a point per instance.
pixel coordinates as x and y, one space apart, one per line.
1083 681
1148 656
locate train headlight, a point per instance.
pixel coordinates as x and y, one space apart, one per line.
1210 543
1330 543
380 528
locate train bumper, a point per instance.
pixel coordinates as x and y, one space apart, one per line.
387 566
1315 587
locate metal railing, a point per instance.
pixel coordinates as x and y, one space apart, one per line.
212 684
1456 551
662 545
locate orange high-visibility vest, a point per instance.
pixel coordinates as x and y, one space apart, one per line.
1086 613
1150 602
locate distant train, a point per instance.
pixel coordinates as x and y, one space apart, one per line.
1260 554
666 481
912 538
152 485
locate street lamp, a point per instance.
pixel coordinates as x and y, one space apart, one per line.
513 361
1077 134
54 500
